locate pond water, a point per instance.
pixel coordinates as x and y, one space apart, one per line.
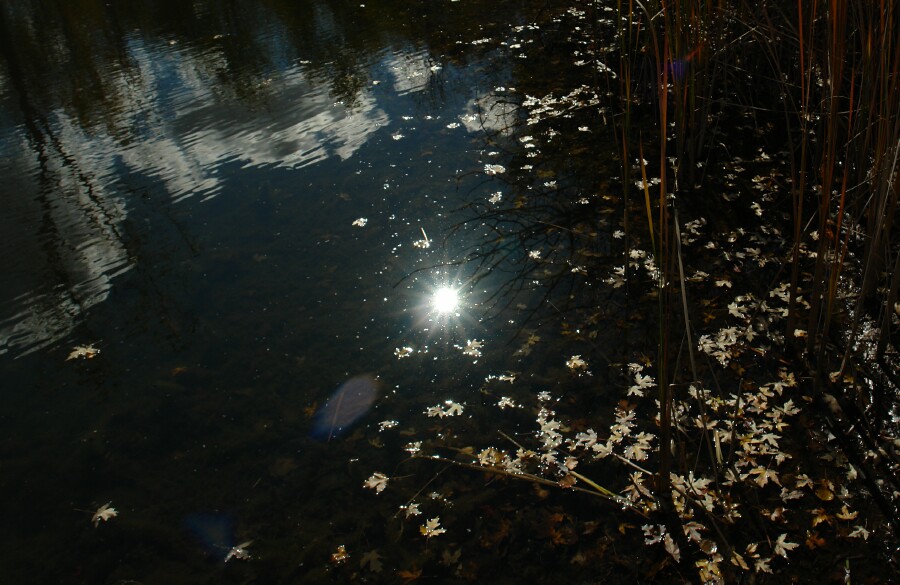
232 209
292 292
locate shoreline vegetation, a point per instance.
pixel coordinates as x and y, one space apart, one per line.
750 225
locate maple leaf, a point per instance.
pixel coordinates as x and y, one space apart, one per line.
739 561
671 547
104 512
735 310
859 531
506 402
586 439
576 363
453 408
787 494
450 558
239 552
692 530
813 540
846 514
819 516
373 560
762 565
340 555
83 351
411 510
402 352
378 481
473 347
802 481
636 452
782 546
764 475
432 527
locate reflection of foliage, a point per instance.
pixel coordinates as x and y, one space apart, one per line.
348 78
89 45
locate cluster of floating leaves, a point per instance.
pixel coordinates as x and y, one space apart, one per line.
748 476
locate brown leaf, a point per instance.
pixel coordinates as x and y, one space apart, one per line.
410 575
563 535
567 481
492 539
813 540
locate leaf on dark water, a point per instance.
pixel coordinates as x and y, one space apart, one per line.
348 403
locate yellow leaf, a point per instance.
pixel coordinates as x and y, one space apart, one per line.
738 561
824 494
819 516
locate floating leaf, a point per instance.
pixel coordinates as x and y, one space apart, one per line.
83 351
104 512
378 481
782 546
432 528
824 494
340 555
239 552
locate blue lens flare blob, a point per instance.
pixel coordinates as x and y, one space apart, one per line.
345 406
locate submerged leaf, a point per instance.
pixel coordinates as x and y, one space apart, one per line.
373 560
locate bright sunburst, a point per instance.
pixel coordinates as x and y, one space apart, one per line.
445 300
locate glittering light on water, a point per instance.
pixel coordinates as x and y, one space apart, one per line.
445 300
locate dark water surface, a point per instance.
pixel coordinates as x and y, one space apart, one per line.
180 186
225 226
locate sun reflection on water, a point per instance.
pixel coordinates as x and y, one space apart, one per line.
445 300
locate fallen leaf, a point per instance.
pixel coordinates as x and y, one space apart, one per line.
432 528
846 514
410 575
104 512
239 552
824 494
372 560
813 540
782 546
83 351
378 481
340 555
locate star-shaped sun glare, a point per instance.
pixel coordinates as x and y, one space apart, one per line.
445 300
